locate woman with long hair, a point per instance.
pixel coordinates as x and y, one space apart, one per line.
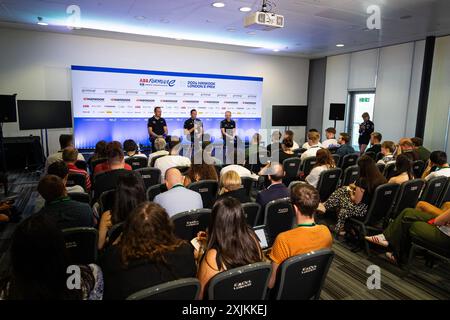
354 200
324 162
39 265
403 166
148 253
130 192
231 243
230 185
200 172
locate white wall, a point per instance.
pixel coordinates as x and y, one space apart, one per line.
36 65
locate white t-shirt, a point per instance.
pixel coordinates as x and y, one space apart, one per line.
155 154
295 146
168 162
311 152
241 171
137 155
330 143
307 146
444 172
314 175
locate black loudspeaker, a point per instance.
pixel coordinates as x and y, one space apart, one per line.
337 111
8 108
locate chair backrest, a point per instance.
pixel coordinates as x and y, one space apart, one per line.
382 201
137 162
182 289
153 161
381 167
351 174
151 176
76 179
433 190
279 216
445 195
153 191
302 277
349 160
207 189
308 165
337 159
81 164
106 181
291 167
379 156
292 184
243 283
371 154
247 184
189 223
418 168
106 200
252 211
390 171
408 196
328 182
81 245
80 197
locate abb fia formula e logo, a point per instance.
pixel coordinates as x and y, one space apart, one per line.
156 82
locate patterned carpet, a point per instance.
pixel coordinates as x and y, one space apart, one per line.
347 276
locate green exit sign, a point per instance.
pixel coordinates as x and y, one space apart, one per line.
364 99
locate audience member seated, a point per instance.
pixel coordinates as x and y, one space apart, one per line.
354 200
230 185
437 166
255 154
178 198
200 172
285 151
331 141
275 146
387 149
276 190
314 146
230 242
424 153
170 161
307 236
160 147
307 144
239 167
406 146
429 208
289 134
67 213
324 162
404 172
426 226
65 140
132 149
147 254
375 143
130 193
100 151
344 145
39 266
70 156
115 159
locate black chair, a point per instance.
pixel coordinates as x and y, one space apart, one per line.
308 165
152 162
182 289
80 197
107 181
218 168
419 245
349 160
379 156
252 211
433 190
445 195
351 174
244 283
418 168
76 179
136 162
151 176
302 277
106 200
81 164
291 167
279 216
337 159
328 182
153 191
371 154
379 209
94 163
381 167
247 184
188 224
390 171
81 245
408 196
208 190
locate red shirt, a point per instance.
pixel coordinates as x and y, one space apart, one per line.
102 167
74 169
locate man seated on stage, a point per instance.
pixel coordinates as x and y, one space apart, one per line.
228 128
65 140
160 150
193 127
115 161
70 156
157 127
132 150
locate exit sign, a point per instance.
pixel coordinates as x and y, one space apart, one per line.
364 100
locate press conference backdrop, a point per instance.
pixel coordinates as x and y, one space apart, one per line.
115 104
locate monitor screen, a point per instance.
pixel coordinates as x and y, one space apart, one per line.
42 114
289 116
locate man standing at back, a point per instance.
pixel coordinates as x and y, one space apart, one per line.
157 127
177 199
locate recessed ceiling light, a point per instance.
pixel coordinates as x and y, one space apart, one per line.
139 17
245 9
179 39
231 29
41 22
218 4
340 45
276 50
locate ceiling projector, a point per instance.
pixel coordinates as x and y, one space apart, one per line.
266 21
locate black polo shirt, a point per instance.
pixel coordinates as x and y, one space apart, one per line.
227 125
157 125
190 123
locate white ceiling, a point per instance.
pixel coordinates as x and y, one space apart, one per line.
312 27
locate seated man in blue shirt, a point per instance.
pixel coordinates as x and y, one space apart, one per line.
276 190
345 147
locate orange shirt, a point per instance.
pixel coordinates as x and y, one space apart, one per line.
299 241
